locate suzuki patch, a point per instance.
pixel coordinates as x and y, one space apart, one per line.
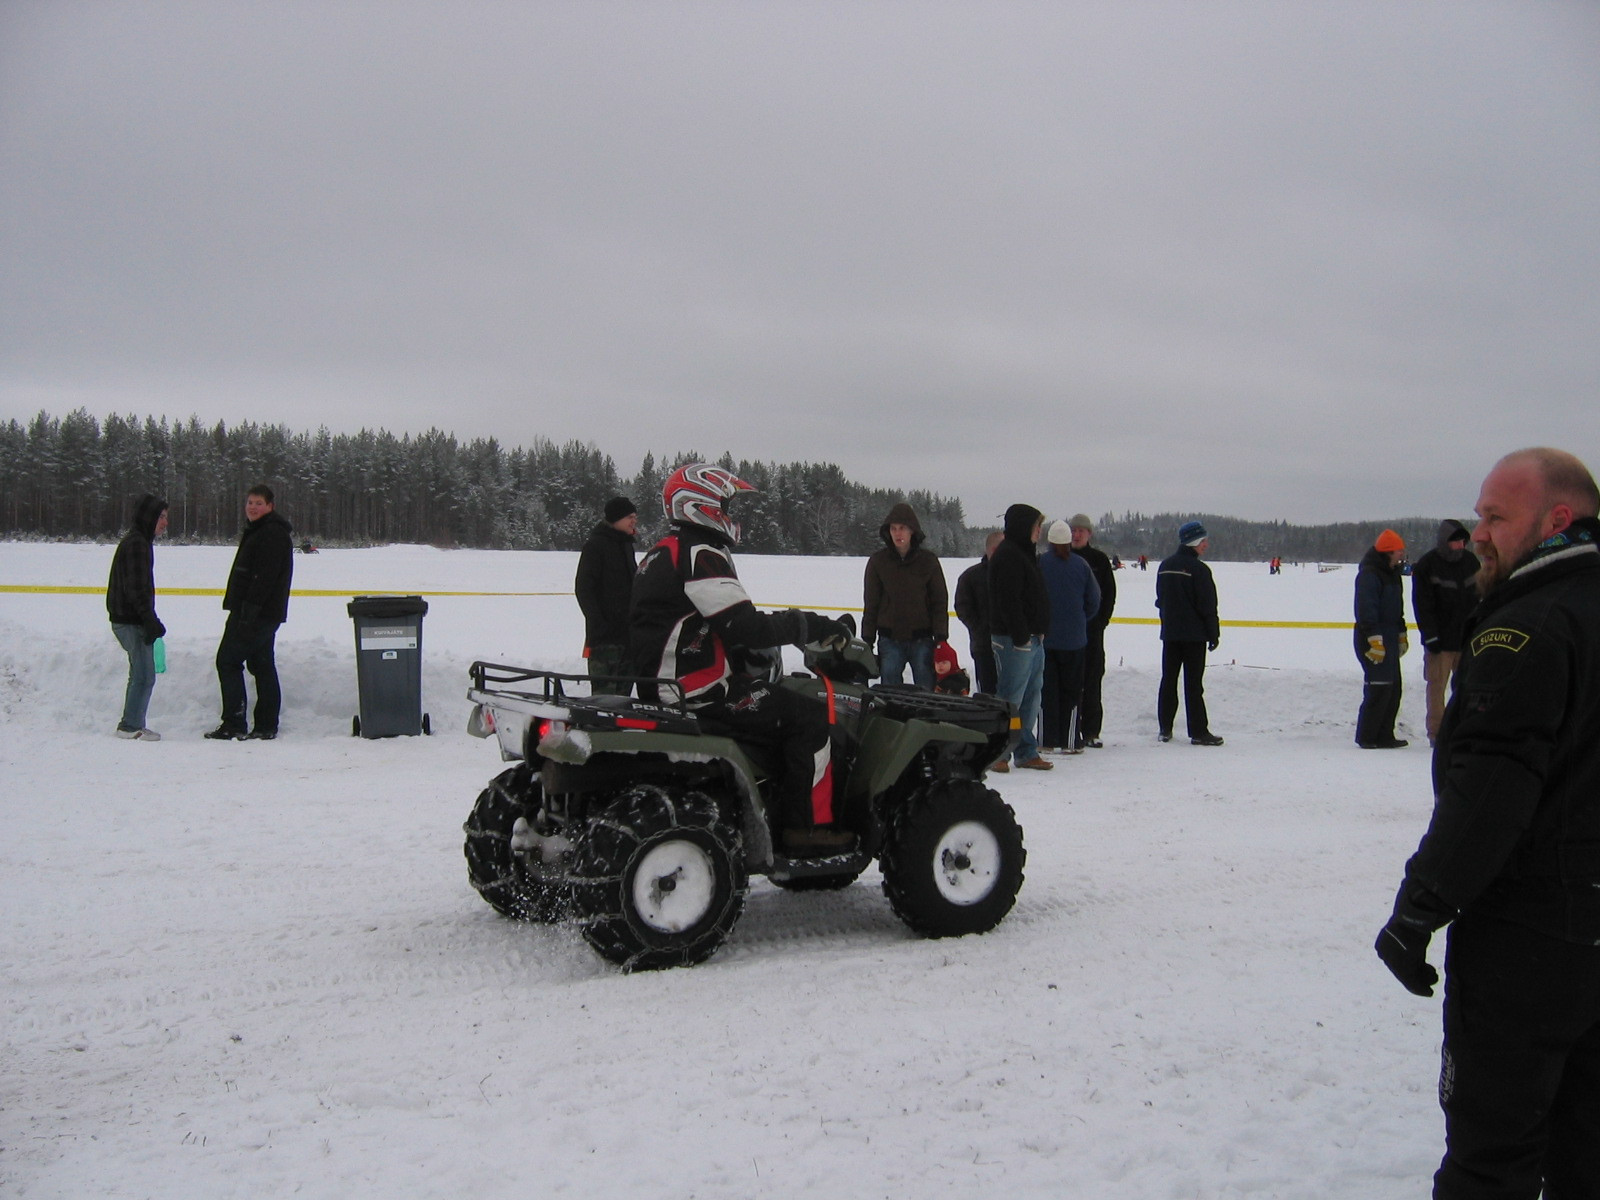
1499 639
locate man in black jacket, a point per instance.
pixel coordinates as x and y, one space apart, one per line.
1091 710
604 587
1441 597
1019 617
131 602
257 600
1511 858
1187 597
972 609
1380 639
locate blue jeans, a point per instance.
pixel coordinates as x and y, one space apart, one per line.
895 653
1022 683
141 676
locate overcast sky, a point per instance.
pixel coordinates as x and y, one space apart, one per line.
1279 260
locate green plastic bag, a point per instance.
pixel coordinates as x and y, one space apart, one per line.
159 649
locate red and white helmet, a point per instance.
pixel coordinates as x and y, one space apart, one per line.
695 493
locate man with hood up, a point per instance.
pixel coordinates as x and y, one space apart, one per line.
1019 617
1441 597
1380 640
905 600
131 601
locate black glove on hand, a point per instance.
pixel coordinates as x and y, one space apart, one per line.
153 628
1213 643
825 629
1404 951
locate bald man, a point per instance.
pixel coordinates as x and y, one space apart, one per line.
1511 858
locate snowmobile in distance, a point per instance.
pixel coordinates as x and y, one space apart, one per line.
643 826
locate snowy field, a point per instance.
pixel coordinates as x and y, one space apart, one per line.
257 970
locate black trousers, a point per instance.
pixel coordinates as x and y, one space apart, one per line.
796 725
1091 714
1063 688
1380 695
1188 659
1520 1084
249 644
983 665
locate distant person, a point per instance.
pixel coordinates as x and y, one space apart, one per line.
1144 562
1511 857
1275 566
1187 597
1092 709
257 601
1441 597
604 587
972 608
1380 640
906 605
1074 599
949 678
131 603
1019 617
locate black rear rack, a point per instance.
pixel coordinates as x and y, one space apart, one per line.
489 676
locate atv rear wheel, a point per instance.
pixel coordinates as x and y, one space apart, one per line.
658 878
952 861
519 873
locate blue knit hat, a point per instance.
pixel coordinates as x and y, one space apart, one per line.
1191 533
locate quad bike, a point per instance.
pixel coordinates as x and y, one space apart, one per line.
643 825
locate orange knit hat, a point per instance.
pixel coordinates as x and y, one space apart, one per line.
1388 541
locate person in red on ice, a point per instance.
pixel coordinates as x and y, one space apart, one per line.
692 621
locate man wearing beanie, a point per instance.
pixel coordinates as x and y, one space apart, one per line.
604 586
1380 640
1441 597
1074 600
1091 712
1187 597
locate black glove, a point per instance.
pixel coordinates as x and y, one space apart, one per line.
1214 643
825 629
1403 943
153 628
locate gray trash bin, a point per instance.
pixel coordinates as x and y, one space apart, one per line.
389 665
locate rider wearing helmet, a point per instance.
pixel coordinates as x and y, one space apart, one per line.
692 621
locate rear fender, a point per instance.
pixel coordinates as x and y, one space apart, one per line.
889 747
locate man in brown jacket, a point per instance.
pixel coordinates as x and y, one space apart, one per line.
906 602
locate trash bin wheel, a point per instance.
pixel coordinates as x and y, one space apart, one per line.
355 725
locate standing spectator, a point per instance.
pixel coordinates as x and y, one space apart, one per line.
257 600
1144 562
1441 597
604 587
131 602
1509 858
972 607
906 604
1019 617
1187 597
1074 599
1380 640
1092 711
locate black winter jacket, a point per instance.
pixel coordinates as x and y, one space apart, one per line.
1019 605
1515 832
1442 594
1380 605
263 569
1106 576
604 585
904 597
1186 594
972 601
131 588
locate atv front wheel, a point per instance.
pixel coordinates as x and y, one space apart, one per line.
519 873
952 861
658 879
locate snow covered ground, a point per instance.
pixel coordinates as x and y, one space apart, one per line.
257 969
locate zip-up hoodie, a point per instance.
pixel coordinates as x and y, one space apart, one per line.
905 597
131 588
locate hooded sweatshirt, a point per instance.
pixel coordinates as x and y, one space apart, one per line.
131 589
1019 606
904 596
1441 590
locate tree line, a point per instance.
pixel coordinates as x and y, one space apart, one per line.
76 477
1236 540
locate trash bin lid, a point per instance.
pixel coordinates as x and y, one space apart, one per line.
383 607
